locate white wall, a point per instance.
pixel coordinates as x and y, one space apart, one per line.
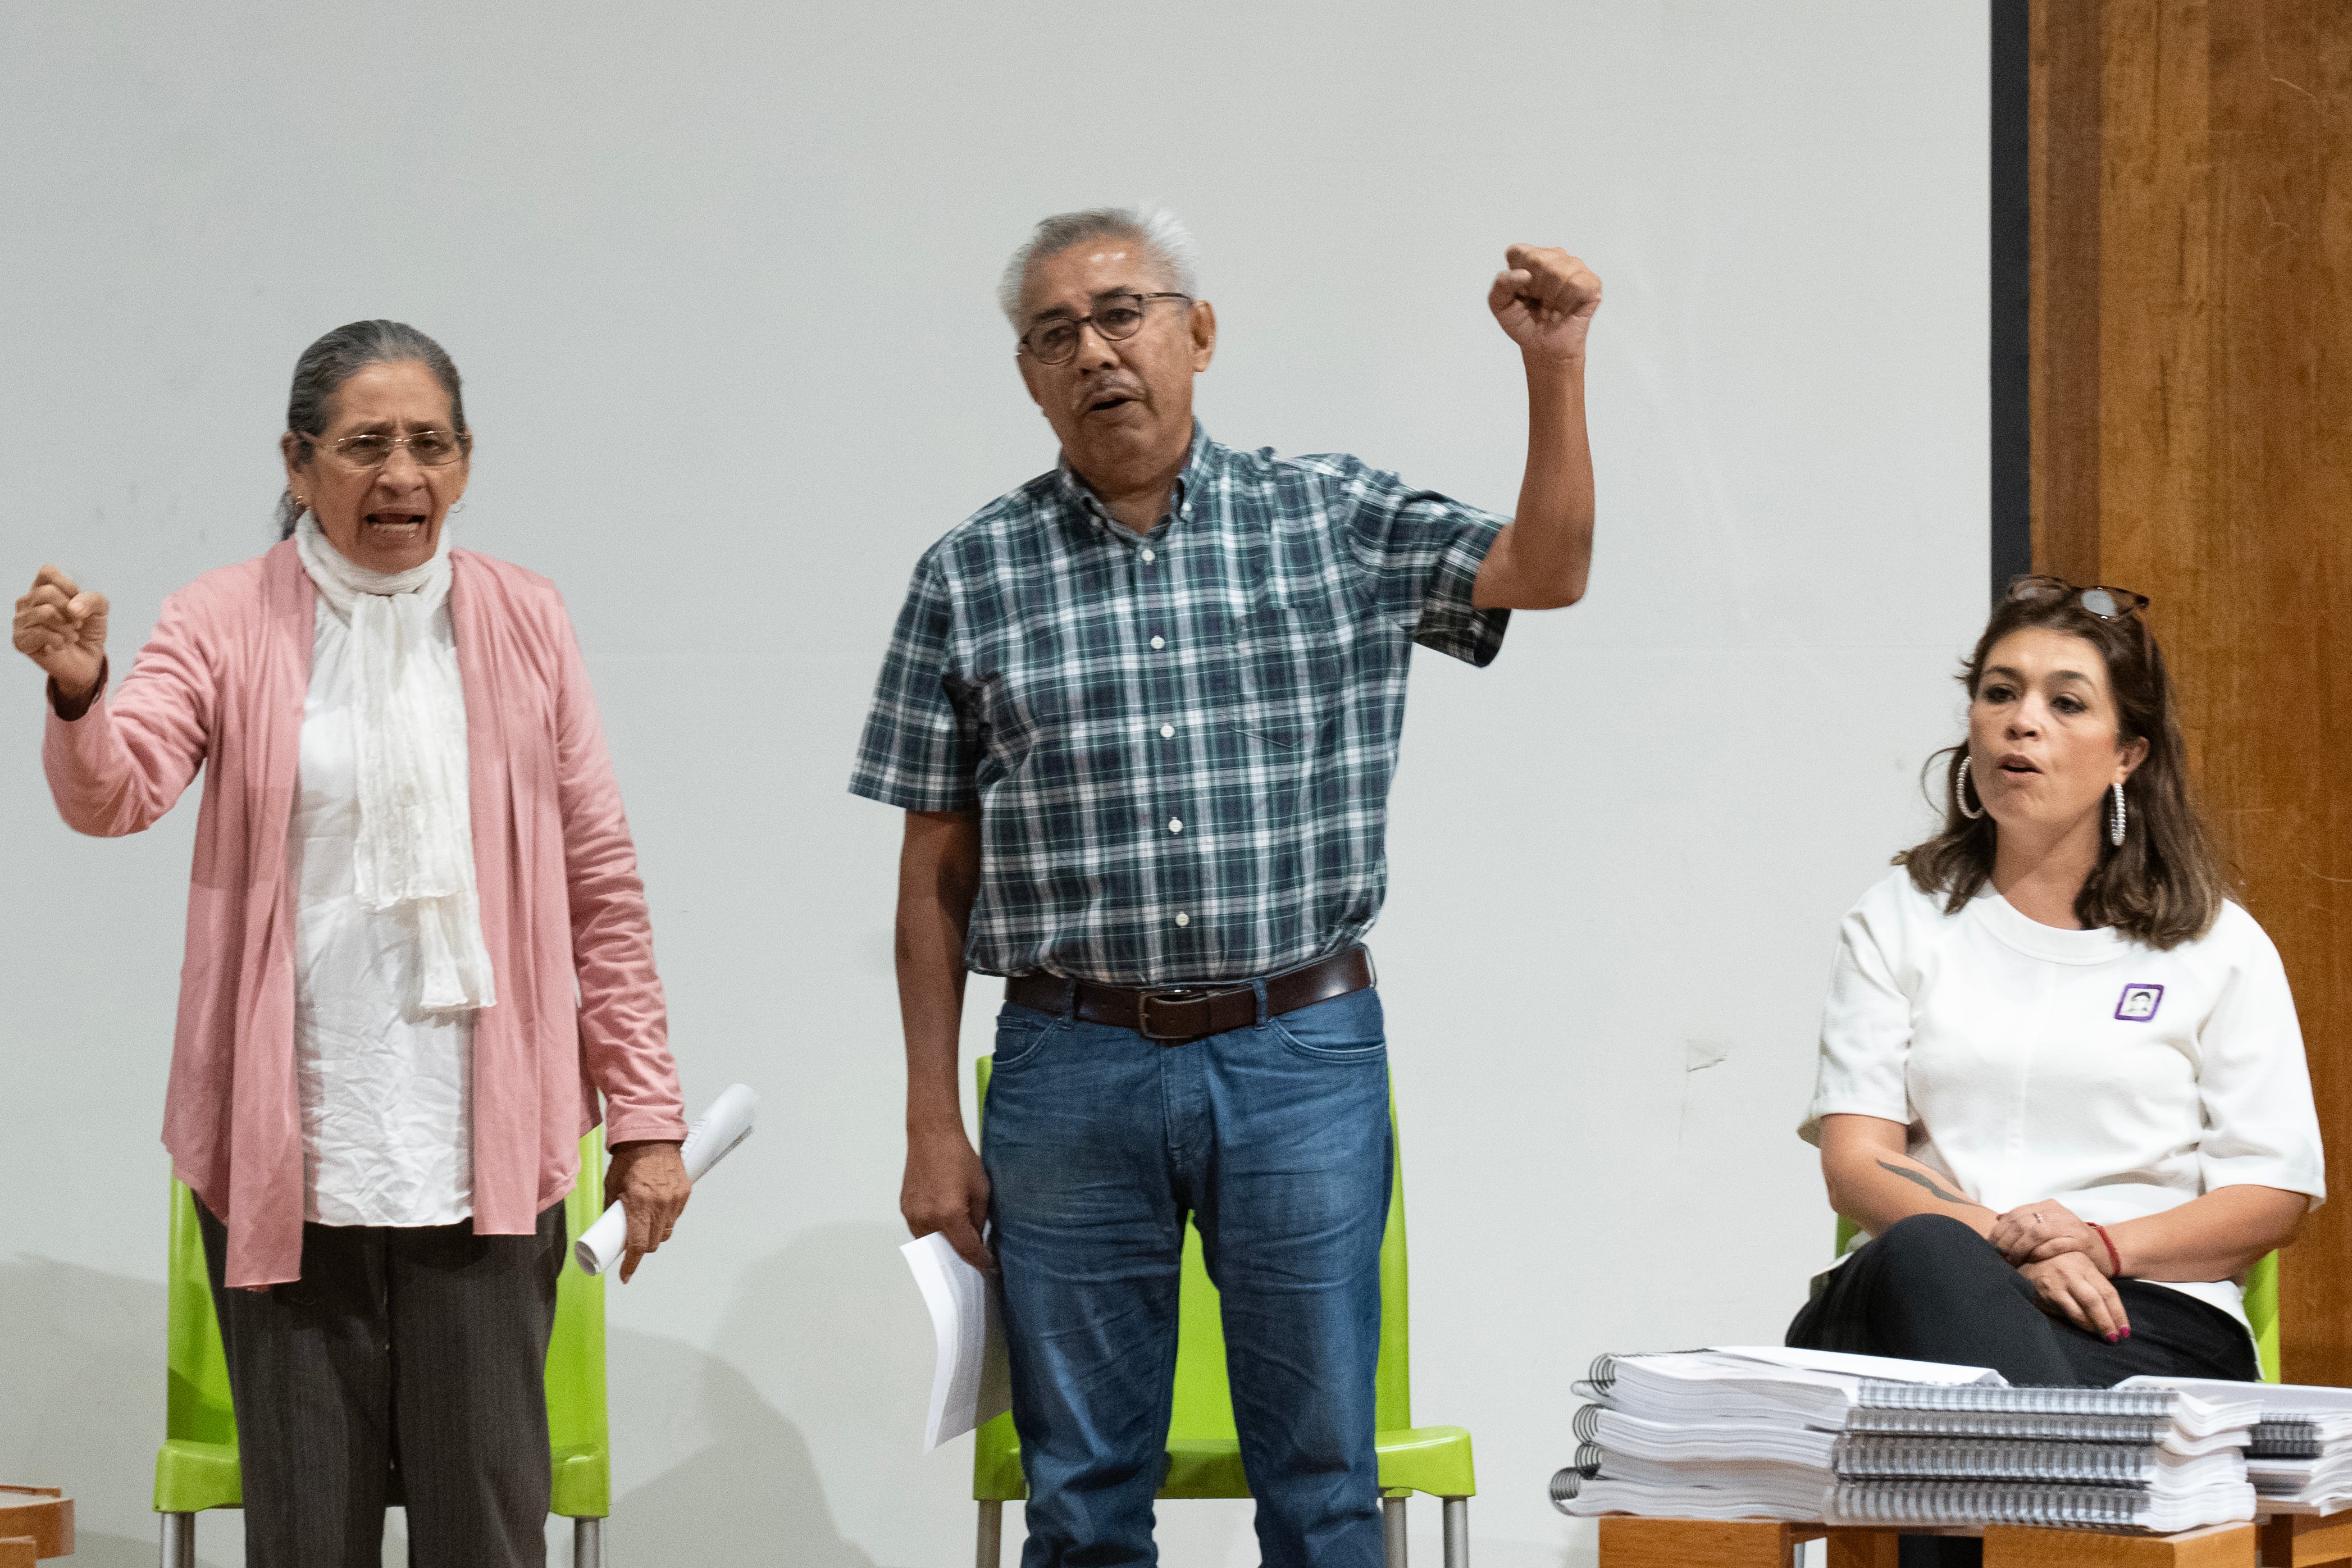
720 279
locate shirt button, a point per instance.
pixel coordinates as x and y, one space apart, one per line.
1167 731
1158 642
1175 825
1148 558
1182 919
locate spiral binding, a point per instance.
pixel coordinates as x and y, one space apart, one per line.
1565 1485
1987 1502
1602 1376
2007 1423
1990 1460
1586 1423
2150 1402
1599 1378
2285 1436
1878 1394
1943 1458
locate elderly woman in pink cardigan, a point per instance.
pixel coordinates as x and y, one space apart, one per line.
417 953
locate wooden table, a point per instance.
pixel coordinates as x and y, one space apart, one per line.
2306 1540
34 1522
1629 1543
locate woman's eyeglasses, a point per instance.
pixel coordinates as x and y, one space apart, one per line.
431 448
1115 316
2108 604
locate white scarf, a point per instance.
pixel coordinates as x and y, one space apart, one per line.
415 845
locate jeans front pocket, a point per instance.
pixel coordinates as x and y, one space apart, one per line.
1020 1032
1344 1029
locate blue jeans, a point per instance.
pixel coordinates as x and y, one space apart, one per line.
1276 1138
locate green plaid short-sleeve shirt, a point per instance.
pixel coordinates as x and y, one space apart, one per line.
1180 745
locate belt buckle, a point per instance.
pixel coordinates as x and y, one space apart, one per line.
1144 1000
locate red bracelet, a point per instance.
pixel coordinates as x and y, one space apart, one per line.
2115 1259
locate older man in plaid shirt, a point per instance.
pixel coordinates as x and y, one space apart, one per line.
1141 714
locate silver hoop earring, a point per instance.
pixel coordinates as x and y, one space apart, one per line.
456 506
2116 819
1961 794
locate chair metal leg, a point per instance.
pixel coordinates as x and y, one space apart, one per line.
1457 1533
179 1539
587 1544
990 1549
1392 1531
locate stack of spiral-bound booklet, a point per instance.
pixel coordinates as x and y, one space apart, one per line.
2300 1458
1813 1436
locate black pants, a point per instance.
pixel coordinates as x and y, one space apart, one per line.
1933 1290
406 1364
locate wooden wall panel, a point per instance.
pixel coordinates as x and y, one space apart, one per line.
2192 428
2064 104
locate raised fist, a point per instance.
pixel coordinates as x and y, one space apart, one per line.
62 627
1545 300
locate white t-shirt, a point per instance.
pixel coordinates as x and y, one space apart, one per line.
2031 1062
386 1091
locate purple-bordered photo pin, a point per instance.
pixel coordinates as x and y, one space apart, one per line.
2139 1003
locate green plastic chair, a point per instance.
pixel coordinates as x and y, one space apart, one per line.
1204 1456
196 1468
2263 1311
2262 1302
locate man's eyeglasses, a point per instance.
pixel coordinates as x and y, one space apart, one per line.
431 448
2102 601
1115 316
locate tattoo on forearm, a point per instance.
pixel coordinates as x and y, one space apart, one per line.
1922 1179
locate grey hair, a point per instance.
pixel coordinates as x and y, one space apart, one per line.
333 360
1163 234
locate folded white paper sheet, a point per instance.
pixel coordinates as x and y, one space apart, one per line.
972 1381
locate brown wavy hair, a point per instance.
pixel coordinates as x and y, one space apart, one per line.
2164 884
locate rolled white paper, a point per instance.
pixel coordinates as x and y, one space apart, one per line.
727 1123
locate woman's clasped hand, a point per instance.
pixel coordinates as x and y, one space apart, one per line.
2067 1264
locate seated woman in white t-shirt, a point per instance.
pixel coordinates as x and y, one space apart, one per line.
2061 1079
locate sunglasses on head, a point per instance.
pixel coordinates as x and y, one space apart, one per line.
2108 604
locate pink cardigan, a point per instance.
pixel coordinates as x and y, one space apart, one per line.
221 685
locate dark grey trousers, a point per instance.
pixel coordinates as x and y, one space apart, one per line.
406 1364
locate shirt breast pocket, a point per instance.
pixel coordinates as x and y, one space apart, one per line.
1279 686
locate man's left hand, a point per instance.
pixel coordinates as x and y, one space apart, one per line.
651 1181
1545 300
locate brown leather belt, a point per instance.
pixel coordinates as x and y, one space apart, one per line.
1173 1014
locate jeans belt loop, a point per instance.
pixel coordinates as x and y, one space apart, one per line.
1258 985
